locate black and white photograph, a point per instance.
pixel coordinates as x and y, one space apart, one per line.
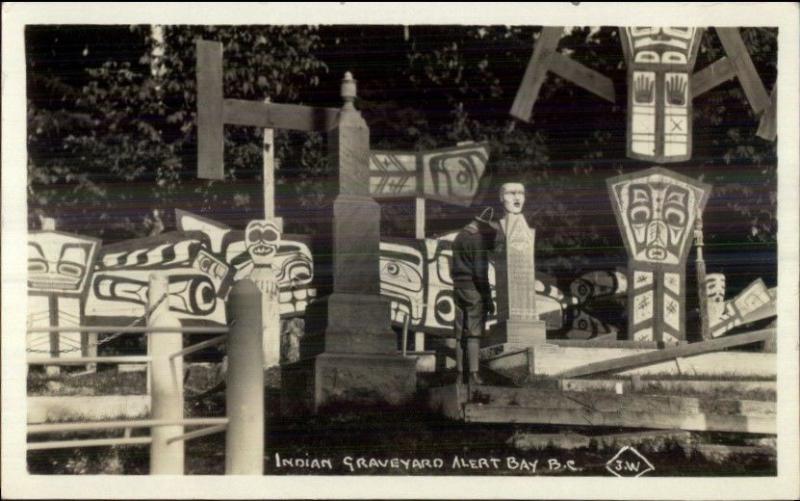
395 250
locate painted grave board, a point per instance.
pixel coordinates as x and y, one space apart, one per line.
755 302
660 84
660 61
118 292
656 210
415 277
449 175
292 263
59 269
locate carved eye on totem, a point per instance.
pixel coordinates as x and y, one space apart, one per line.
676 212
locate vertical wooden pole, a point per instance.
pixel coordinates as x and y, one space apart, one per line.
702 295
419 229
49 224
166 381
270 305
210 126
244 447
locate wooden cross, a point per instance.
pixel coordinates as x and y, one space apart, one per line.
737 64
214 111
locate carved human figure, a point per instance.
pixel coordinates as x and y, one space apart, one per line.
514 252
261 240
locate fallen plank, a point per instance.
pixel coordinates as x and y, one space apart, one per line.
644 385
477 413
609 402
687 350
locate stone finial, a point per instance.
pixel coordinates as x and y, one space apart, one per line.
348 90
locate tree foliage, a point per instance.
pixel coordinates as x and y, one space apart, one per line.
112 136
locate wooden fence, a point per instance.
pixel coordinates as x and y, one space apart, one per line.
244 423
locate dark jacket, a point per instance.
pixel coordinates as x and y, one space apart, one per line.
471 249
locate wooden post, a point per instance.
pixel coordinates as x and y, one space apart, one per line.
270 304
166 381
244 446
702 296
419 229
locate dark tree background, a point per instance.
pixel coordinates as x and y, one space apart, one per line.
112 137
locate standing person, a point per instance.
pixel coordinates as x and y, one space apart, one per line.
472 293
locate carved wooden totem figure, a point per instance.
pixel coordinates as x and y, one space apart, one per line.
59 267
656 210
518 321
660 62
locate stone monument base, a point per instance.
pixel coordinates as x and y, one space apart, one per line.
352 378
348 323
517 334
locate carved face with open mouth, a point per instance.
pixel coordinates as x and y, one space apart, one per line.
262 238
513 197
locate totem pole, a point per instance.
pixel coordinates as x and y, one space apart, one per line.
656 211
262 238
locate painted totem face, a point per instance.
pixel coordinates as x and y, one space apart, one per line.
513 197
58 262
657 212
261 239
660 61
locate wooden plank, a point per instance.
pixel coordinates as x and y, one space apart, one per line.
666 385
745 69
712 75
687 350
86 360
131 423
477 413
768 125
96 442
535 72
582 76
604 343
279 116
210 138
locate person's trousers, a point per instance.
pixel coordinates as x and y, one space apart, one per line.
469 322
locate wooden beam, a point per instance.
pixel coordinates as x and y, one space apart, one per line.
768 125
210 138
278 116
712 75
536 72
745 69
687 350
479 413
582 76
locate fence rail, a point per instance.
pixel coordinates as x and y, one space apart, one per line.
244 425
138 329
